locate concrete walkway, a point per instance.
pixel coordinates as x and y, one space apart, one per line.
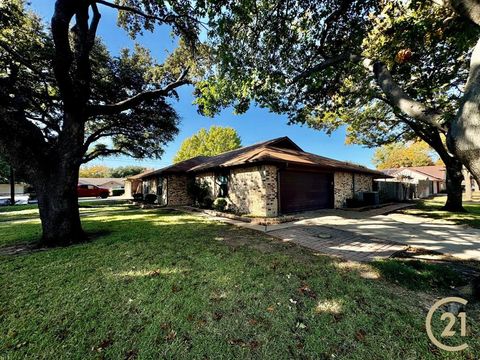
324 239
344 244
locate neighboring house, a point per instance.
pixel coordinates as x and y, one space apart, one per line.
427 180
107 183
267 179
20 188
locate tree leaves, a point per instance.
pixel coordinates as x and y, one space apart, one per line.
399 155
210 142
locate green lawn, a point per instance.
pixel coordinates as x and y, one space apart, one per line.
432 208
154 284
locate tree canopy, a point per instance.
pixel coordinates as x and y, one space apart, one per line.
213 141
397 155
103 171
65 100
389 70
4 171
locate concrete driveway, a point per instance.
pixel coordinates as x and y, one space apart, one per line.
438 235
378 233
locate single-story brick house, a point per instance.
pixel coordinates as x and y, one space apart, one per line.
107 183
428 180
266 179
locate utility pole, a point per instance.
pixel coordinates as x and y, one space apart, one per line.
12 186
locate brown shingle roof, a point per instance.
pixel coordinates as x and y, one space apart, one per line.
280 150
273 154
100 181
435 171
182 166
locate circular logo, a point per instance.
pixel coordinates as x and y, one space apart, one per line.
452 318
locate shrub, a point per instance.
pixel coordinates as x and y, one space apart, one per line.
118 192
150 198
220 204
207 203
198 192
138 197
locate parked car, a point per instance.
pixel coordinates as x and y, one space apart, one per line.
92 191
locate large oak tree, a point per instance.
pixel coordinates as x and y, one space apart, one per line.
339 62
64 100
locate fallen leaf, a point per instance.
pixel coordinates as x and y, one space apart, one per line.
165 326
238 342
254 344
131 354
305 290
360 335
171 336
104 344
301 325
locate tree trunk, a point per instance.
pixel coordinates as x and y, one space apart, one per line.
468 185
58 206
464 135
12 186
454 187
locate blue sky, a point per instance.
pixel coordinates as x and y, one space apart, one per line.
254 126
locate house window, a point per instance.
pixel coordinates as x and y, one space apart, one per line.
222 181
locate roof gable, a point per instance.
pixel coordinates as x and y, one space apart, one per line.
279 150
435 172
283 143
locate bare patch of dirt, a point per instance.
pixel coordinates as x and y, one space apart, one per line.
20 249
468 270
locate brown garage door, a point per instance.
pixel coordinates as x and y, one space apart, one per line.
302 191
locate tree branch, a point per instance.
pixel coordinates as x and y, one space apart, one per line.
92 31
396 96
104 152
25 62
326 64
95 110
467 8
404 102
166 19
63 57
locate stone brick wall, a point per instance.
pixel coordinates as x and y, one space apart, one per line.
177 190
251 190
363 183
254 190
344 184
271 185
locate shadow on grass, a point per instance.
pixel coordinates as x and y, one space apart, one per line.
419 275
177 232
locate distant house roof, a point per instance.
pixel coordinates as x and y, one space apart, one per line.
434 172
141 175
182 166
100 181
279 150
